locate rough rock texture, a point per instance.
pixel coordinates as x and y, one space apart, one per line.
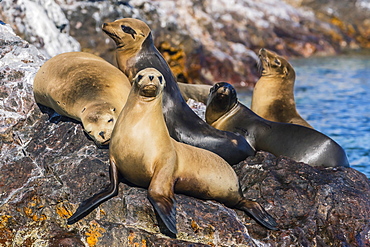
42 23
204 41
48 168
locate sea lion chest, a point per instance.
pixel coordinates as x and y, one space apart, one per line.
140 141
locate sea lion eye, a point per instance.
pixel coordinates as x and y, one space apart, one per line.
110 120
129 30
160 78
277 62
139 77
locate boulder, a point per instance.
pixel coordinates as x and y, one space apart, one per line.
203 41
48 167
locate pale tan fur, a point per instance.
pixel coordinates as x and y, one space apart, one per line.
273 94
84 87
147 156
128 46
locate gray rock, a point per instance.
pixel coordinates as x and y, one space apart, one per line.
49 167
213 40
42 23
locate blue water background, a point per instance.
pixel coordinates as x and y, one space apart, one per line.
333 95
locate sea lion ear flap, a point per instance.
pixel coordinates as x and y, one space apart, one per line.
286 71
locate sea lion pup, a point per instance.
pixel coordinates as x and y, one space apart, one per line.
273 94
84 87
163 165
197 92
136 51
300 143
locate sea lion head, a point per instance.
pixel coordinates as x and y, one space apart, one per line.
149 83
127 32
274 65
221 99
98 121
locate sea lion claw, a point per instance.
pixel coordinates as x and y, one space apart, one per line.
258 213
90 204
166 209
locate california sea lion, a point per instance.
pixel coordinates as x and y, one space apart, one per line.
298 142
163 165
136 51
84 87
273 94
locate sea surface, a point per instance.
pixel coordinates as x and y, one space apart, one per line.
333 95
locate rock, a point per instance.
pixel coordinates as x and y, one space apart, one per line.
313 206
48 168
204 41
42 23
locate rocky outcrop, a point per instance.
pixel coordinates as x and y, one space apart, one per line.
48 168
204 41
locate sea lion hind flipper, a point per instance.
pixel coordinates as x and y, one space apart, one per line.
166 209
258 213
90 204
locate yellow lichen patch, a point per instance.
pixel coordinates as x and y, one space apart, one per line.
195 226
63 211
4 220
176 59
143 243
33 206
133 242
94 233
102 212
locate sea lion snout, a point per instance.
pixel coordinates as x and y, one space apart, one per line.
262 52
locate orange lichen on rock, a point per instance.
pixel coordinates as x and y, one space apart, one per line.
132 240
176 59
6 235
32 209
63 211
195 226
94 233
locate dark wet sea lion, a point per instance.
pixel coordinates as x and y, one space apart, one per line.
163 165
273 94
136 51
84 87
300 143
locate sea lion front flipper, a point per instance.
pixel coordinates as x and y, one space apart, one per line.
258 213
90 204
161 196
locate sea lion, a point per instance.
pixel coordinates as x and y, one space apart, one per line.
298 142
273 94
136 51
163 165
84 87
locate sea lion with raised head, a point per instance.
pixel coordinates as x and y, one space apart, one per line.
84 87
273 94
300 143
163 165
136 51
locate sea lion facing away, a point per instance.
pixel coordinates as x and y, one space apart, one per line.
273 94
136 51
84 87
300 143
163 165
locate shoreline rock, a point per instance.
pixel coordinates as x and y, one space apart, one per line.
48 168
203 41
